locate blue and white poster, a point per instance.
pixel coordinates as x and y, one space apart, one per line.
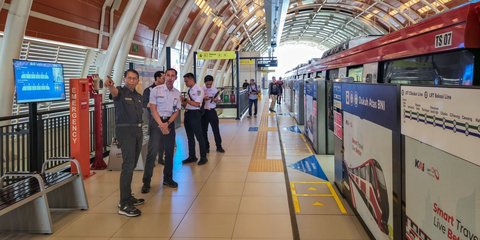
369 122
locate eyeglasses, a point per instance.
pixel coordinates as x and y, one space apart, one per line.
131 78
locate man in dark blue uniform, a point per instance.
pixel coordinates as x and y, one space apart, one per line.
128 130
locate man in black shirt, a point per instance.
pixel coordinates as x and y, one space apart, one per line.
128 130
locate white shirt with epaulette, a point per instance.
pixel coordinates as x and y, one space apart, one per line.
167 101
195 94
210 92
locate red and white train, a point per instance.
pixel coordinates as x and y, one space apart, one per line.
369 181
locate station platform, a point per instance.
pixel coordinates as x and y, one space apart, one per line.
252 191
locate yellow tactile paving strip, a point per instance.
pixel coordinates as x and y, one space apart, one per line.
259 161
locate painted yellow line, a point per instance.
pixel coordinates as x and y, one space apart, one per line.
315 195
306 143
296 203
335 196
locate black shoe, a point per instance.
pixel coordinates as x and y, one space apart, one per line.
170 183
220 150
146 188
136 201
202 161
161 161
129 211
190 160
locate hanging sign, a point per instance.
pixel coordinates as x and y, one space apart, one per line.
216 55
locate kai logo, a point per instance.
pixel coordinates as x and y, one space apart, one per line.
420 165
431 171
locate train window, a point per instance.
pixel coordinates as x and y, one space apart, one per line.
451 68
380 178
372 178
356 73
332 74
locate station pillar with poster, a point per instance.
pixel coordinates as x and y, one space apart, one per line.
79 125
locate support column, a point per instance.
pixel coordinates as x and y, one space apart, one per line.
11 46
196 44
117 38
89 60
175 32
126 44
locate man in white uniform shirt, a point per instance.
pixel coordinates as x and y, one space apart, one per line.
154 148
210 116
193 120
165 104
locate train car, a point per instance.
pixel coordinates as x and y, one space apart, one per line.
441 50
369 180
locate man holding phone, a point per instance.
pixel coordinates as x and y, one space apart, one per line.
210 116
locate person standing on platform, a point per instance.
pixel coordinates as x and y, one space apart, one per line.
128 130
210 116
154 148
193 120
272 93
252 98
245 84
165 106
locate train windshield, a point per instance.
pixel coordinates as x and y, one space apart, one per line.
381 178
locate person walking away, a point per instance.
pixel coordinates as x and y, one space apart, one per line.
128 130
193 120
252 98
280 92
210 116
165 106
154 149
272 93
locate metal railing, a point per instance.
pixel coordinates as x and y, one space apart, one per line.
54 137
242 102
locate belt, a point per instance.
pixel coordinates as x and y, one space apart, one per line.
165 118
210 109
129 125
188 110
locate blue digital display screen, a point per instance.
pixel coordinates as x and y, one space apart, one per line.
38 81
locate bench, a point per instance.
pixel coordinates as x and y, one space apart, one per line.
26 198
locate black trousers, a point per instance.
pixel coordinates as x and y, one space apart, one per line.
193 127
130 139
250 103
158 140
153 126
211 117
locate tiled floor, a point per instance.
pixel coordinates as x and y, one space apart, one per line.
219 200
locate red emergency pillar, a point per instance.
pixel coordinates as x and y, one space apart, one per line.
79 125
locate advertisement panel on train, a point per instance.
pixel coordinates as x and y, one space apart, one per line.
369 122
310 106
442 136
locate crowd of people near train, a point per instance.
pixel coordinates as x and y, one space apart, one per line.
163 102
